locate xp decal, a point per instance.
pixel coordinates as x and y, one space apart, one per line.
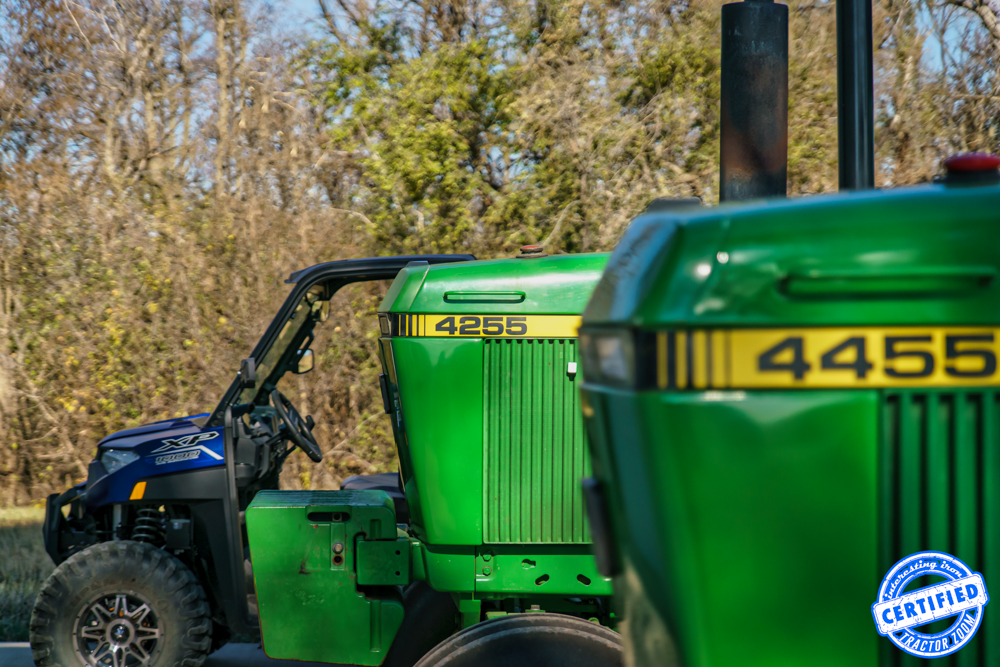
485 326
187 448
962 596
839 357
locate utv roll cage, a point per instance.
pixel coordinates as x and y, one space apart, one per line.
334 275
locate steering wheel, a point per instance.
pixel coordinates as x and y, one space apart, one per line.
298 431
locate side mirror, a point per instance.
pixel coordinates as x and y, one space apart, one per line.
321 311
248 373
306 362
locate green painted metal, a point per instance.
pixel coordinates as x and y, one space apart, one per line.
383 562
552 285
490 440
753 527
470 611
941 489
439 382
519 570
455 410
854 249
746 494
431 377
306 551
445 568
535 454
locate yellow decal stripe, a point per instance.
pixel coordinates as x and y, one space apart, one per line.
701 359
720 359
829 357
490 326
138 491
681 359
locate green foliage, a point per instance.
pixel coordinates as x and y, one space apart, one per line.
424 129
536 125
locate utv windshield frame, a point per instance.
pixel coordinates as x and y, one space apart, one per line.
330 277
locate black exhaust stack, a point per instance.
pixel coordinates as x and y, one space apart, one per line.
754 132
855 98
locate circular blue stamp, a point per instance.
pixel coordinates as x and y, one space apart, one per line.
960 596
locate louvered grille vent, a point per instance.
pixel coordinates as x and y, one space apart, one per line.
535 453
940 490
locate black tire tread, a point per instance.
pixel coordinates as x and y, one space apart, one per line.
179 585
477 645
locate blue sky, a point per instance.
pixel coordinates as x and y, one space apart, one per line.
298 13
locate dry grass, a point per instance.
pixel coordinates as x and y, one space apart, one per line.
24 565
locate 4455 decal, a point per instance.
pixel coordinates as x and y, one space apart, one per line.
828 357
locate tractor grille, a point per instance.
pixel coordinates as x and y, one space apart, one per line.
940 490
535 453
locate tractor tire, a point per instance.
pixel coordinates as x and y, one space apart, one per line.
121 604
530 640
429 618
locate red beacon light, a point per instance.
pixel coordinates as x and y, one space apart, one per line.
967 163
532 252
972 168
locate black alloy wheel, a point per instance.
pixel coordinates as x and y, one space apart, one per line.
118 629
121 604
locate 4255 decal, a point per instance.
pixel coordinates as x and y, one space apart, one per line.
482 325
488 326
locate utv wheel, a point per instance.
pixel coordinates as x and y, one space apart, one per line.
121 604
529 640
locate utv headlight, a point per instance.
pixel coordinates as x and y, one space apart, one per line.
117 459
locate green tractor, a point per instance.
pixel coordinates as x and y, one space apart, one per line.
786 398
480 374
793 406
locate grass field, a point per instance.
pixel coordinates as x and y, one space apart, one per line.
24 565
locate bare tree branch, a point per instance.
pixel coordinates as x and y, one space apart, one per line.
988 11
